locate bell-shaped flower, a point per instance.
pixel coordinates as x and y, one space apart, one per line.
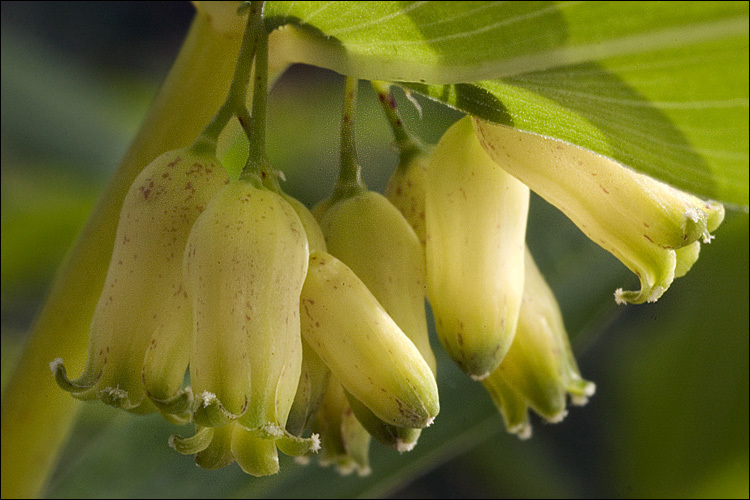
140 332
653 228
539 370
244 265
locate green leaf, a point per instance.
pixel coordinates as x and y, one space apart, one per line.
435 42
661 87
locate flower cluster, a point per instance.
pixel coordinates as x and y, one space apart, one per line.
231 282
468 198
231 306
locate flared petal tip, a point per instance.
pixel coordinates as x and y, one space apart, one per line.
55 365
619 300
581 392
557 417
177 409
364 471
480 377
402 446
522 430
288 443
271 431
315 447
345 466
193 444
119 398
210 412
631 297
72 386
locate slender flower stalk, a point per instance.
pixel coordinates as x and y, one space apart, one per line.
406 186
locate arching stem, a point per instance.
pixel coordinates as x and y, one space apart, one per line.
350 180
257 165
234 105
408 145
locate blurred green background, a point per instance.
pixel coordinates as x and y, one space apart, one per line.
670 417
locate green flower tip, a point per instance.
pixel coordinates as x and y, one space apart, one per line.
210 412
254 449
402 446
580 391
75 387
194 444
345 466
539 371
522 430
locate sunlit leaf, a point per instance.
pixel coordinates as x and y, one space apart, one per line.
661 86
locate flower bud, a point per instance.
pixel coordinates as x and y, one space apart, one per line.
140 332
363 347
368 234
651 227
476 228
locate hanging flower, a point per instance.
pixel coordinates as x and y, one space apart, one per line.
139 346
539 369
245 263
476 228
653 228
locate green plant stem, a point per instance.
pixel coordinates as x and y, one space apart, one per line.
234 105
36 414
350 180
257 163
408 145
